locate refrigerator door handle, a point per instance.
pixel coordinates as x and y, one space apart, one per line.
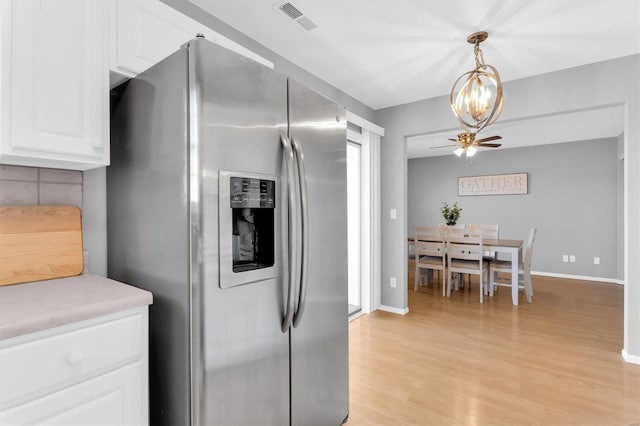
292 235
304 254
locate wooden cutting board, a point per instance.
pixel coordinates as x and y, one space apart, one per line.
39 243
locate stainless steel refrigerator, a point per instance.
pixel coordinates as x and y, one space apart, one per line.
227 200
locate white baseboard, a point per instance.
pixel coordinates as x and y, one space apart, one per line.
578 277
356 315
393 310
633 359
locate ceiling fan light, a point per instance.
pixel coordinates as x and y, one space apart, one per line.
458 152
471 151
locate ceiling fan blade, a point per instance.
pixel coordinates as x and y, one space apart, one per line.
454 140
490 138
490 145
442 146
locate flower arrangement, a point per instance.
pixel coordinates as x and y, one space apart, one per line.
451 214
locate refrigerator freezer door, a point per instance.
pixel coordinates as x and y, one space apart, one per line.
319 343
244 355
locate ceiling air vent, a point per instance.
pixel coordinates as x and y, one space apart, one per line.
296 15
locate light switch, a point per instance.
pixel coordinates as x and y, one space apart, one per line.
565 258
596 260
393 213
572 259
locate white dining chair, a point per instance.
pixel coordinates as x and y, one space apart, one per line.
465 256
524 269
488 232
459 279
429 249
444 226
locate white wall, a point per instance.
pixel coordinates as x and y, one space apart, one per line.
571 199
613 82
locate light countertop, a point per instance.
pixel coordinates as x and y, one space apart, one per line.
30 307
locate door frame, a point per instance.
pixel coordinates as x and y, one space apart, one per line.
369 139
363 301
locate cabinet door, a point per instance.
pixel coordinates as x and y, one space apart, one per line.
114 398
146 31
61 359
55 83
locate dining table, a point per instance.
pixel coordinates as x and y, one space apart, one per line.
511 247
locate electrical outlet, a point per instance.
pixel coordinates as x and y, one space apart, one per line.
572 258
392 282
596 260
565 258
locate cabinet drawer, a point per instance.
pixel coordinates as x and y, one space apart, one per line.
36 367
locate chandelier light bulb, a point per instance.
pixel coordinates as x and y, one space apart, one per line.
471 151
458 152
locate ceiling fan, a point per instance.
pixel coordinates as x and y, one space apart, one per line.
468 143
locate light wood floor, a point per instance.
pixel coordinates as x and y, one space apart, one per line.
456 362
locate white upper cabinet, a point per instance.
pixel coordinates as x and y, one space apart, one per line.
55 58
54 83
146 31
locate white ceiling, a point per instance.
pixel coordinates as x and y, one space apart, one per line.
386 53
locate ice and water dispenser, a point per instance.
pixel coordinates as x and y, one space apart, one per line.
247 228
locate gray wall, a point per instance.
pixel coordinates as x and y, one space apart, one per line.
572 200
620 204
94 219
613 82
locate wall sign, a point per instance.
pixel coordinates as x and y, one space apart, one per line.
493 184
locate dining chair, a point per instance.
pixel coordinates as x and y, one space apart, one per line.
465 256
444 226
411 251
524 269
488 232
429 253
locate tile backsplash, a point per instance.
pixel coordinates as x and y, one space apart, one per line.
32 185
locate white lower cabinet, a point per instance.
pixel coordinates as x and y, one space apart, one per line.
54 83
109 399
94 372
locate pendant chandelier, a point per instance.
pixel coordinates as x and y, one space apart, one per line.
476 96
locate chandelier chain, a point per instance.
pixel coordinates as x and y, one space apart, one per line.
479 57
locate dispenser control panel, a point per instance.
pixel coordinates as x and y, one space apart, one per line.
252 193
